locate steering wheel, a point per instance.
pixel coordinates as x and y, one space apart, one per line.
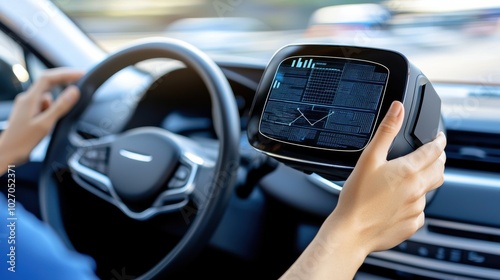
147 171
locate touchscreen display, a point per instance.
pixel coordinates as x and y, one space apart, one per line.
324 102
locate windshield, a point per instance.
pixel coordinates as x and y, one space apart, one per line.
449 40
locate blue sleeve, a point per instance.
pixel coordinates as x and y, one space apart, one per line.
30 249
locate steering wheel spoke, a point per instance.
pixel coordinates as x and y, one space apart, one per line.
184 164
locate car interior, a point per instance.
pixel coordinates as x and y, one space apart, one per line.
162 167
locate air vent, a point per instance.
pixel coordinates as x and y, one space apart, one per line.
473 150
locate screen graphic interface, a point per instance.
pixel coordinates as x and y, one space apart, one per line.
324 102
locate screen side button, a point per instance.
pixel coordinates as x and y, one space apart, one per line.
429 116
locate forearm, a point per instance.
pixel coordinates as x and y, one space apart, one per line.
333 254
3 167
5 158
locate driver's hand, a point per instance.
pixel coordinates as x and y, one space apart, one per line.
382 202
35 113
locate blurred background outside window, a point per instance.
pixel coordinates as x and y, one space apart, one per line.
450 40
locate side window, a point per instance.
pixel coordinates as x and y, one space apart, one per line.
14 78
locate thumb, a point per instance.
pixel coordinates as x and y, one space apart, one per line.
62 105
386 132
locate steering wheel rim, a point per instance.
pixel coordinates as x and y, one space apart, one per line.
226 123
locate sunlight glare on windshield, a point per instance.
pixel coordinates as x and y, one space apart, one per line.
450 40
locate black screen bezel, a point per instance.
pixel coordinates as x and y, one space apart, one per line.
398 67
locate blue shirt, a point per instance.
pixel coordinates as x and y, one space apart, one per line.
30 249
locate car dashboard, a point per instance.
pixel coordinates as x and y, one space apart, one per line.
276 210
461 236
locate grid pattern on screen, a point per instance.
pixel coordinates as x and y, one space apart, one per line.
322 85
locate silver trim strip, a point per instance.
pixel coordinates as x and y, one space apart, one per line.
305 161
464 227
325 184
483 181
452 176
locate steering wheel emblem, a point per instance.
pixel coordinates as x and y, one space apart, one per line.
135 156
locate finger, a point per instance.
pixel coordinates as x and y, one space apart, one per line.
46 101
60 107
53 77
387 130
420 220
421 204
443 157
426 154
439 165
432 176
